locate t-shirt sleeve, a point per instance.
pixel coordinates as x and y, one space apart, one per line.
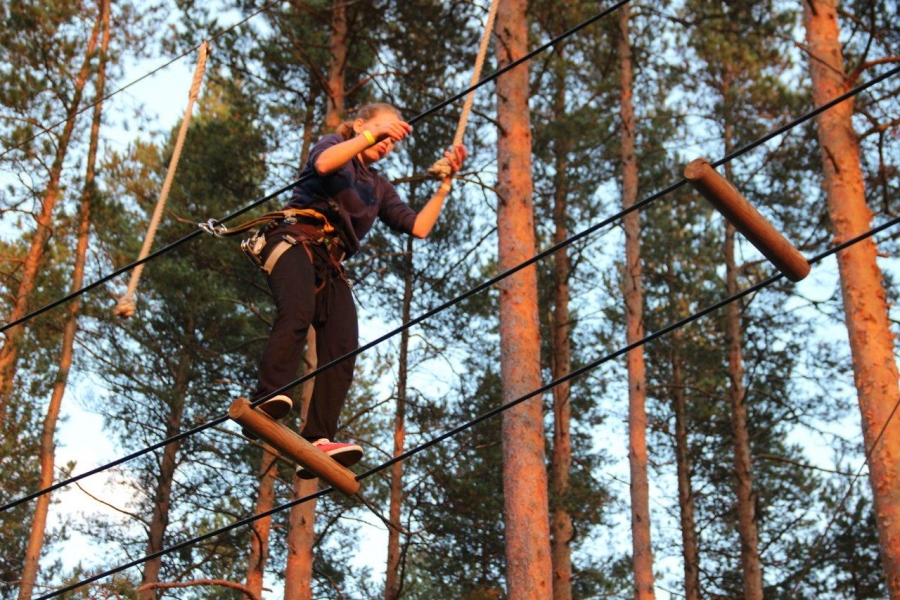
394 212
332 139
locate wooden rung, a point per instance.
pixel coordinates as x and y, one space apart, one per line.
746 219
293 446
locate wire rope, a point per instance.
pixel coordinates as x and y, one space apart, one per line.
578 236
494 412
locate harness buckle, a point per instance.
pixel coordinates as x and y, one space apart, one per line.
253 248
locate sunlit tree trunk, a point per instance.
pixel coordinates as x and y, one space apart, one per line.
862 284
261 528
393 580
337 64
561 527
48 446
743 465
301 531
301 525
642 549
10 350
690 547
162 500
529 570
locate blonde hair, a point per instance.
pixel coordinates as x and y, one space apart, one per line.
366 112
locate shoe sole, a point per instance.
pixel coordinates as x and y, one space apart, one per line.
346 457
276 408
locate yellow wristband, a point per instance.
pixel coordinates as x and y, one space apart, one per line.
371 138
445 187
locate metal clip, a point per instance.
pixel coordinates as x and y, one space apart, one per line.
213 227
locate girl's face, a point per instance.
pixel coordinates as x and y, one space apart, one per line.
382 148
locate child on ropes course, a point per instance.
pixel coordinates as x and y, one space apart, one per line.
336 204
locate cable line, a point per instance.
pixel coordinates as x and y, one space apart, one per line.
423 115
143 77
492 413
540 256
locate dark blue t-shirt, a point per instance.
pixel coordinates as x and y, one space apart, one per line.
351 197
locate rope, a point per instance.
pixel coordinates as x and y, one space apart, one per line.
126 306
441 168
488 415
540 256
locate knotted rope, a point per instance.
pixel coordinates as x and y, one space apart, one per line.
441 168
126 305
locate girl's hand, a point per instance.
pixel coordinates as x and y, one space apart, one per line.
456 156
394 130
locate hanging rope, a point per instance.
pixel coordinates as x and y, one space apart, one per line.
441 168
126 305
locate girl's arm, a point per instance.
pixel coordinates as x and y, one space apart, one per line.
428 216
338 155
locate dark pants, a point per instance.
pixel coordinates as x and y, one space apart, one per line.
332 313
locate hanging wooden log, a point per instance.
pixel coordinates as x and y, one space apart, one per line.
294 447
746 219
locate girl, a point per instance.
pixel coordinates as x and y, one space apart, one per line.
336 204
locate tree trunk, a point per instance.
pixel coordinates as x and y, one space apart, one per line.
301 532
301 529
261 528
642 549
529 570
9 352
163 497
743 466
393 580
690 547
336 73
871 341
301 540
48 447
562 529
301 526
301 535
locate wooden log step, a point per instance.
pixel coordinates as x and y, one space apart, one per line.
746 219
294 447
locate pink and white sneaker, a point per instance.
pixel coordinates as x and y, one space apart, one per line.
345 454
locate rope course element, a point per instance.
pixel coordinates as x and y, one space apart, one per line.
126 306
278 192
147 75
448 304
441 168
496 411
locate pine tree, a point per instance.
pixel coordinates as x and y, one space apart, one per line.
871 339
38 527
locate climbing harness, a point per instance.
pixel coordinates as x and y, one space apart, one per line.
304 226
